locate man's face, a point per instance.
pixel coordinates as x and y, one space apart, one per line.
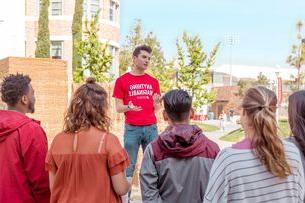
30 100
141 61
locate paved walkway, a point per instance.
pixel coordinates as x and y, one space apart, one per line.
215 135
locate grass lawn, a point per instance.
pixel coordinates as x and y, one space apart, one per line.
238 134
206 127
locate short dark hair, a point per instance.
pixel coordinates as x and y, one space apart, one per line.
14 87
177 104
140 48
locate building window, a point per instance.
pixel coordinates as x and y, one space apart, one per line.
113 51
56 7
94 7
91 7
113 11
56 49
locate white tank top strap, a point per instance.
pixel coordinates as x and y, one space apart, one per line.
102 141
75 142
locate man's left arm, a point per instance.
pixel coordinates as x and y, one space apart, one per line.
157 98
34 149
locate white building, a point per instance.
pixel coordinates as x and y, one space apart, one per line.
12 28
221 74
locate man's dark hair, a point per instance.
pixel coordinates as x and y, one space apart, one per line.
140 48
177 104
14 87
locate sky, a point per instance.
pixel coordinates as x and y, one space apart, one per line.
264 30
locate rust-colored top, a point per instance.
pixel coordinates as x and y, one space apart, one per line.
83 164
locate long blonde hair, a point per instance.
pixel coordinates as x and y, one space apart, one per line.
259 104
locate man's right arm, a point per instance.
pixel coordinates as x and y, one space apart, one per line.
120 107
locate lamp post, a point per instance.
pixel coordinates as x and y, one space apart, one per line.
300 51
278 95
231 40
176 76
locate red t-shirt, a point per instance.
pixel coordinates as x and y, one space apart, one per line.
139 90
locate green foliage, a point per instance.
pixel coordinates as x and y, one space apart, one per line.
297 55
293 82
77 33
158 67
206 127
238 134
194 69
95 56
43 37
245 84
262 80
132 40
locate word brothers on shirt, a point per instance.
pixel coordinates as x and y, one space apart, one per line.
140 90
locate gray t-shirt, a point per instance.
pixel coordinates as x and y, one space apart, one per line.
293 140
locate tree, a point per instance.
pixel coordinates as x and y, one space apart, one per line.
262 80
77 30
297 56
132 40
43 37
95 56
292 83
245 84
194 69
160 69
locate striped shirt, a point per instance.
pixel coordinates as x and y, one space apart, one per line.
237 175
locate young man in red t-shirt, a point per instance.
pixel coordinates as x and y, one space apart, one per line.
137 95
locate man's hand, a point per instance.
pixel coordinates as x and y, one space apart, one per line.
157 99
132 107
157 102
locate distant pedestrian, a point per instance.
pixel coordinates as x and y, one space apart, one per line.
222 121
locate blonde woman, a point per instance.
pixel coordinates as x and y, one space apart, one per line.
262 167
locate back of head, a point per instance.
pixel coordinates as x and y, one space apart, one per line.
140 48
177 105
87 108
296 115
14 87
259 104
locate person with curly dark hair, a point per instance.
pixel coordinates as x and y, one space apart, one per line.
23 145
86 162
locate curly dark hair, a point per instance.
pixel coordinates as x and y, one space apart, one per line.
14 87
87 108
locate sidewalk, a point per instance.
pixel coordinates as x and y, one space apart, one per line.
215 135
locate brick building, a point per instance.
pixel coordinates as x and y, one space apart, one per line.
49 80
19 28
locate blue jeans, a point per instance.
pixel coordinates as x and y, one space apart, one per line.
134 136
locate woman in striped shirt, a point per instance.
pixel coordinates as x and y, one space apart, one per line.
262 167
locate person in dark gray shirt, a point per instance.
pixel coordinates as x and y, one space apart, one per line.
296 117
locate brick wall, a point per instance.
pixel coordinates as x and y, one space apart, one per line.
49 80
